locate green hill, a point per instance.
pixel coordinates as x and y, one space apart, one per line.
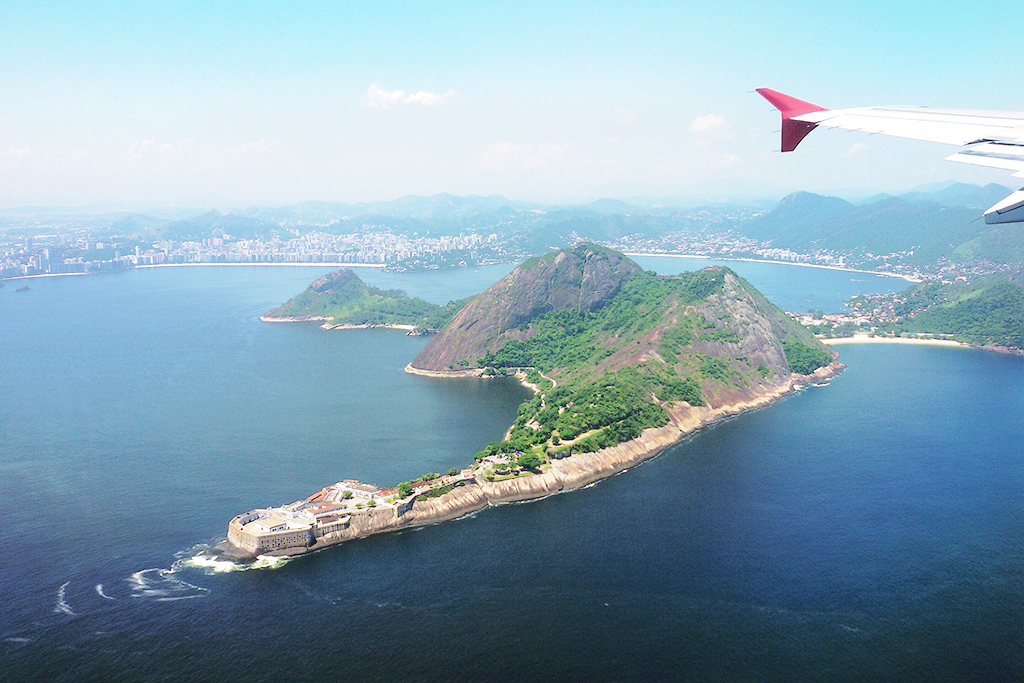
804 221
987 314
341 297
619 348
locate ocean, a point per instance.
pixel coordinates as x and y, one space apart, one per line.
870 529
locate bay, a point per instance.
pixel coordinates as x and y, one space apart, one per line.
791 287
870 529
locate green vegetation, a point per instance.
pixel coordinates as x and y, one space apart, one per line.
440 316
601 413
985 312
990 314
675 339
604 396
439 491
614 352
568 339
534 377
804 359
712 367
342 298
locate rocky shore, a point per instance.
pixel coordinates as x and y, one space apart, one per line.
328 325
582 469
565 474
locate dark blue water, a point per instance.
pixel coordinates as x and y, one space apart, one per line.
872 529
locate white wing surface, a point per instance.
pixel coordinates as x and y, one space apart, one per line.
988 138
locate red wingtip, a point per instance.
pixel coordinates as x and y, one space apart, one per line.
792 131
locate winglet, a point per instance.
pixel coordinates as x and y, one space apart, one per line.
792 131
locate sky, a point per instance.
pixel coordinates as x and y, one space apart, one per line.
258 103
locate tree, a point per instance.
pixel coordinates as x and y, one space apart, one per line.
405 489
529 461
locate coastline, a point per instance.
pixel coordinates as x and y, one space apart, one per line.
863 339
476 372
191 265
908 278
328 325
289 264
560 475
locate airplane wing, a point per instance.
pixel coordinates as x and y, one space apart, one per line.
987 138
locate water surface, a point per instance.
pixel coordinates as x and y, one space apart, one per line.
868 530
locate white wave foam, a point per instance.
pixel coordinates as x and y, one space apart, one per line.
99 589
211 563
160 585
217 564
269 562
62 604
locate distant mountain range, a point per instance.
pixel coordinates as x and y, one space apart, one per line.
953 194
932 222
938 224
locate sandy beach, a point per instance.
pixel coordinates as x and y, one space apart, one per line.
864 339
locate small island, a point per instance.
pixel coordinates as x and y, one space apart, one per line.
341 301
623 363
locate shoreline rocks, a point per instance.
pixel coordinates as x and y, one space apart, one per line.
566 474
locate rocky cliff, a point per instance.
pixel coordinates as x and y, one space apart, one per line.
581 279
615 351
624 363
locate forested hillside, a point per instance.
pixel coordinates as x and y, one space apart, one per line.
613 348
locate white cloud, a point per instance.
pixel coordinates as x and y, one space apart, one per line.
387 99
527 157
25 157
855 149
703 124
15 153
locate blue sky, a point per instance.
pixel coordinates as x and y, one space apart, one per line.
272 103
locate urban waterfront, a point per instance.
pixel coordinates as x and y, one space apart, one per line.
870 529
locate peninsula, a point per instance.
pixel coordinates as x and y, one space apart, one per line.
623 363
987 313
340 300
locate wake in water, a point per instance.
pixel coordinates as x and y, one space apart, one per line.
62 604
161 585
167 585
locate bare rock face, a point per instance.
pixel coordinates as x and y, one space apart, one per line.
579 279
336 280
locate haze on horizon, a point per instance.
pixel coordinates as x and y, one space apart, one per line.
251 103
